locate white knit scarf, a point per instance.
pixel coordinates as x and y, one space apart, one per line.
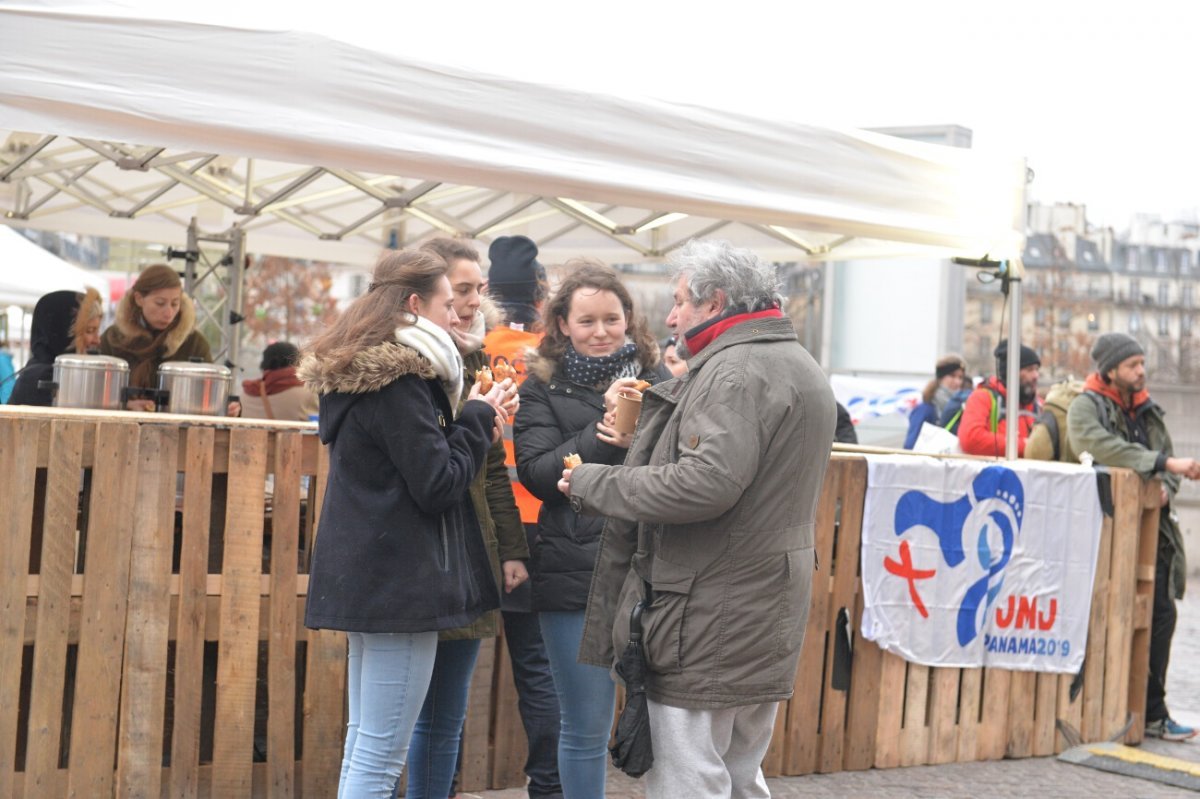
440 350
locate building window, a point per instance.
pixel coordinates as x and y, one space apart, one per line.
985 312
1164 293
1039 317
1093 322
1160 261
1185 261
1064 347
1135 291
1135 321
1164 324
1186 295
1185 325
1131 259
1064 317
985 349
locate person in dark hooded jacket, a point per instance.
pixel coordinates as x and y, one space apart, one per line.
594 347
54 332
399 555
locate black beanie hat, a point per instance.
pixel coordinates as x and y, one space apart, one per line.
514 273
1029 357
1112 348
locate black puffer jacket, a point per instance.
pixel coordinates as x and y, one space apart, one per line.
399 548
557 418
51 336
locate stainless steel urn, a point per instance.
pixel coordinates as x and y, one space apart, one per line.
97 382
195 388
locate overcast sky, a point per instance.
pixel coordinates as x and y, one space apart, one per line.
1101 97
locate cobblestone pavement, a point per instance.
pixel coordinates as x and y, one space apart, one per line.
1045 777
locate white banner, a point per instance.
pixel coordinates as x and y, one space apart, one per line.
967 563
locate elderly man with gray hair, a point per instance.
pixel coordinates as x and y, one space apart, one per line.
711 526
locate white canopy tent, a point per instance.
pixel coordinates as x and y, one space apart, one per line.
314 137
141 117
27 272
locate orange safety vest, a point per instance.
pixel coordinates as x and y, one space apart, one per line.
505 345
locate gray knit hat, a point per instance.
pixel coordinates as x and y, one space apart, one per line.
1112 348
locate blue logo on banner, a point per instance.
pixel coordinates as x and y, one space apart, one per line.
984 522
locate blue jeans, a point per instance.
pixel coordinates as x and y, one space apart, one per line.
586 698
387 676
433 755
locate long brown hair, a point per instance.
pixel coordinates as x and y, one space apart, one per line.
373 318
588 273
145 349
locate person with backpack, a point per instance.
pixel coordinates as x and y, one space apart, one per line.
1117 422
984 427
1048 440
947 379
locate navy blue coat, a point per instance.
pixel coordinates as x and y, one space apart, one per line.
558 418
398 548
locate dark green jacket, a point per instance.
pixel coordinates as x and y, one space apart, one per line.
1117 448
499 520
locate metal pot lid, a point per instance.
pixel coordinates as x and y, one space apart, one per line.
101 363
194 369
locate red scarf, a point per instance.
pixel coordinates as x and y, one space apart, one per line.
1096 383
700 338
275 381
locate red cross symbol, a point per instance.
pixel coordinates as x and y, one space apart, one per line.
905 569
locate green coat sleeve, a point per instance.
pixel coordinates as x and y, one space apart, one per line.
509 530
1087 434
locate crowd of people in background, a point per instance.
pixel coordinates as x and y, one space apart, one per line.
479 481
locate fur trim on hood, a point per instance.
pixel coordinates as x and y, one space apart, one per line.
370 370
129 332
544 368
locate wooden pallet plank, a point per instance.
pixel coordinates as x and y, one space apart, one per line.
803 741
1139 666
1044 715
281 655
147 617
18 465
324 681
241 579
914 735
53 607
970 693
191 613
511 747
992 738
102 612
1122 588
1021 695
893 673
1093 679
476 750
943 722
862 711
1068 710
843 590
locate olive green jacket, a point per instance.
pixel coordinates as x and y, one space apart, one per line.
499 520
1089 434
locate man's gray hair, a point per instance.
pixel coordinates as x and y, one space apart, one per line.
709 266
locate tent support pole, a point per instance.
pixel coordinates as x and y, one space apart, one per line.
1012 378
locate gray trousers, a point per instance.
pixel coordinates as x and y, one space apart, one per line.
709 753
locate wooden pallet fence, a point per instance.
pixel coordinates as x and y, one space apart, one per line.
152 639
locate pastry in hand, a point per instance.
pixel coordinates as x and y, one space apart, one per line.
503 371
641 385
572 460
484 378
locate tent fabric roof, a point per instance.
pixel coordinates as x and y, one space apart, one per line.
27 272
319 143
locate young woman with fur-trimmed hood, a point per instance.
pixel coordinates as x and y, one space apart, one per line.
400 555
156 322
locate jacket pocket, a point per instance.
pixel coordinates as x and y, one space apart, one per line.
663 620
795 597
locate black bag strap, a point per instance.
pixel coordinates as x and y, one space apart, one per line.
1047 418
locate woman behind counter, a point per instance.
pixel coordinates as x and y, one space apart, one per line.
63 322
400 555
594 347
156 322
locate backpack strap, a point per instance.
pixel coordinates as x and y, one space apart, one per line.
1101 409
